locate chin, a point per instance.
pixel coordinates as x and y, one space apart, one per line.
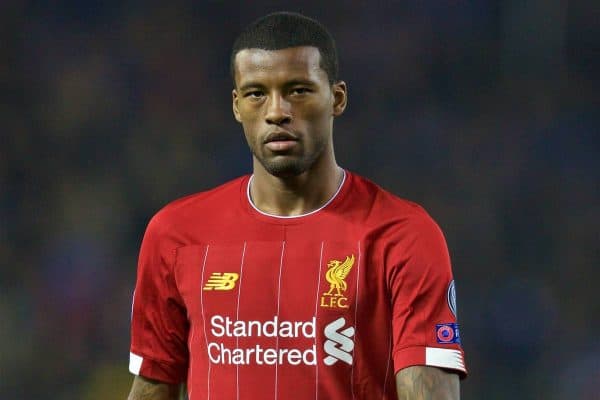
285 168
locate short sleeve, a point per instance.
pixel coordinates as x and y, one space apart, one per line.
159 326
424 325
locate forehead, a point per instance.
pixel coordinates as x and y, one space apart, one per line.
291 63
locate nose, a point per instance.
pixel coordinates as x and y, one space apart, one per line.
278 110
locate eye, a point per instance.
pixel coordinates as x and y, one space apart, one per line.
254 94
300 90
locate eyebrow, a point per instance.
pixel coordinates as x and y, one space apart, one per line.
292 82
251 85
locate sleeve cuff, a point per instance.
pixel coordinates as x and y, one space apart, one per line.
430 356
157 370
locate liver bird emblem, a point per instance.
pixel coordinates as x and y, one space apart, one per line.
337 272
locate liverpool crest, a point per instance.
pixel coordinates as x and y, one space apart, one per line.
337 272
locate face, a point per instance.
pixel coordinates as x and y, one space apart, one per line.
286 105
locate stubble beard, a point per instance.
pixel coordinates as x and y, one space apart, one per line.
285 166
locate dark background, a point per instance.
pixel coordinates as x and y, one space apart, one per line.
485 112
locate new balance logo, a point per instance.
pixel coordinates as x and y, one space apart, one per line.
339 345
221 281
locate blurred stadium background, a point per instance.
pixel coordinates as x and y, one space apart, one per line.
485 112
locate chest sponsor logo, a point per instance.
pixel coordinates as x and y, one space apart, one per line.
221 281
337 272
223 327
337 346
339 343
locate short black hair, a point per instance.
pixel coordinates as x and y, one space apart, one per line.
283 29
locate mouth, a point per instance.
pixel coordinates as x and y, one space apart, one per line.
280 141
280 136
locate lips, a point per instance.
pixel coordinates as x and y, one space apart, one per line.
280 141
280 136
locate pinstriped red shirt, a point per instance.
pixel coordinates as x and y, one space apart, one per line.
329 305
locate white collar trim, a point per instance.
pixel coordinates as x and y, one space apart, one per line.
294 216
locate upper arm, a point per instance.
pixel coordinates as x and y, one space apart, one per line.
424 326
159 325
421 382
147 389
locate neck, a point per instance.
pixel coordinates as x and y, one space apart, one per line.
295 195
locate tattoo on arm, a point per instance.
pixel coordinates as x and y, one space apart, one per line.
427 383
147 389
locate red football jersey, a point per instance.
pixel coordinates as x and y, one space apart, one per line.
327 305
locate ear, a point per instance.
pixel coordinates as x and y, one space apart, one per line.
234 103
340 97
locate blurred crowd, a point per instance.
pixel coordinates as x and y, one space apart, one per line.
484 112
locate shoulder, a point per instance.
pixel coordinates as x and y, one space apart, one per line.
388 208
198 206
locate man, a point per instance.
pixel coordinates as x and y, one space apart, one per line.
303 280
